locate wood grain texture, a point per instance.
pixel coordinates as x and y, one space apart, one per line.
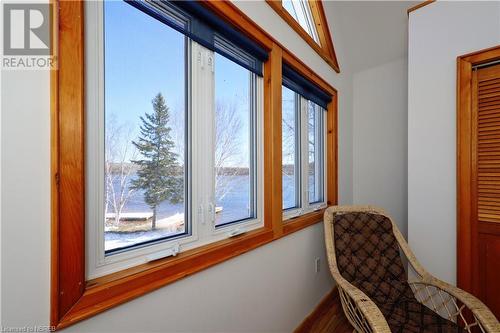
273 142
54 180
327 317
68 192
74 299
332 150
464 172
478 175
325 48
486 182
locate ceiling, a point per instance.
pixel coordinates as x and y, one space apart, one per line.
369 33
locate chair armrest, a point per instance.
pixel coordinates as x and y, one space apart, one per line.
442 295
361 311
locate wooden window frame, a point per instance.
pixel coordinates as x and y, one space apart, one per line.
325 47
467 263
73 298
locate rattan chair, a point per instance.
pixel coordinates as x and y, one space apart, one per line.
379 293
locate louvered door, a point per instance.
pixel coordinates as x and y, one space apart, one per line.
486 180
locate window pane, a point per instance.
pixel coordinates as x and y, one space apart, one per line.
288 5
145 122
301 12
234 142
315 154
290 152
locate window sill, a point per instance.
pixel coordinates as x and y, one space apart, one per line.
301 222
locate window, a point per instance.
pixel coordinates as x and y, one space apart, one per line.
301 12
308 19
146 187
178 62
235 143
291 149
315 152
176 164
303 141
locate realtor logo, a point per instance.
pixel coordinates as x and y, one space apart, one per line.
26 37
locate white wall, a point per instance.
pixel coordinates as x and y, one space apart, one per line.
25 215
380 139
270 289
438 33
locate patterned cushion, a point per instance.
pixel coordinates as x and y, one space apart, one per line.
368 257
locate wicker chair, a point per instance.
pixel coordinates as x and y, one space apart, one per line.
364 249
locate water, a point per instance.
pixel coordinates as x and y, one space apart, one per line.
235 206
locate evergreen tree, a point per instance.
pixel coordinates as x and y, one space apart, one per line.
159 172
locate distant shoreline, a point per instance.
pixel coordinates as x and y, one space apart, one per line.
116 168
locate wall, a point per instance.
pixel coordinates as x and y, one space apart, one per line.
438 33
376 42
380 139
270 289
25 213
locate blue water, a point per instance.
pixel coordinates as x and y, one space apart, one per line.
235 206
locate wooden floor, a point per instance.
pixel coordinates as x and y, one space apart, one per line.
327 317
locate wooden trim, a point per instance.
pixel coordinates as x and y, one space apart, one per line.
323 30
420 5
302 222
54 161
68 175
74 299
307 72
273 145
466 141
325 48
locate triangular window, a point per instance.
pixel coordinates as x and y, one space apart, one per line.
301 12
308 19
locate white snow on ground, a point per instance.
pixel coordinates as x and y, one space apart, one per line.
164 227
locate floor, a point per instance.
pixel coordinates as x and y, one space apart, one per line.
328 317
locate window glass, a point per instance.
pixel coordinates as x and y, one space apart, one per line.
301 12
315 152
234 142
288 5
145 122
290 152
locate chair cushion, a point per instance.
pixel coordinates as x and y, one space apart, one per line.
408 315
366 248
368 256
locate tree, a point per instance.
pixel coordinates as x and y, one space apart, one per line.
117 167
159 172
227 147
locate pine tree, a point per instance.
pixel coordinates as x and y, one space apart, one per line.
158 173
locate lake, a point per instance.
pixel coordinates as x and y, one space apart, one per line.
235 206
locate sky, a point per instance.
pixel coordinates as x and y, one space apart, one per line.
144 56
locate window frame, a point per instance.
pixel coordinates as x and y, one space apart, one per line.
325 47
295 210
307 15
201 228
73 297
306 206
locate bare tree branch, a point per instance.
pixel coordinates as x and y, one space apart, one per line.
118 169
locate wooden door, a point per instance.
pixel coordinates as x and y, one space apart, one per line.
486 178
478 171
